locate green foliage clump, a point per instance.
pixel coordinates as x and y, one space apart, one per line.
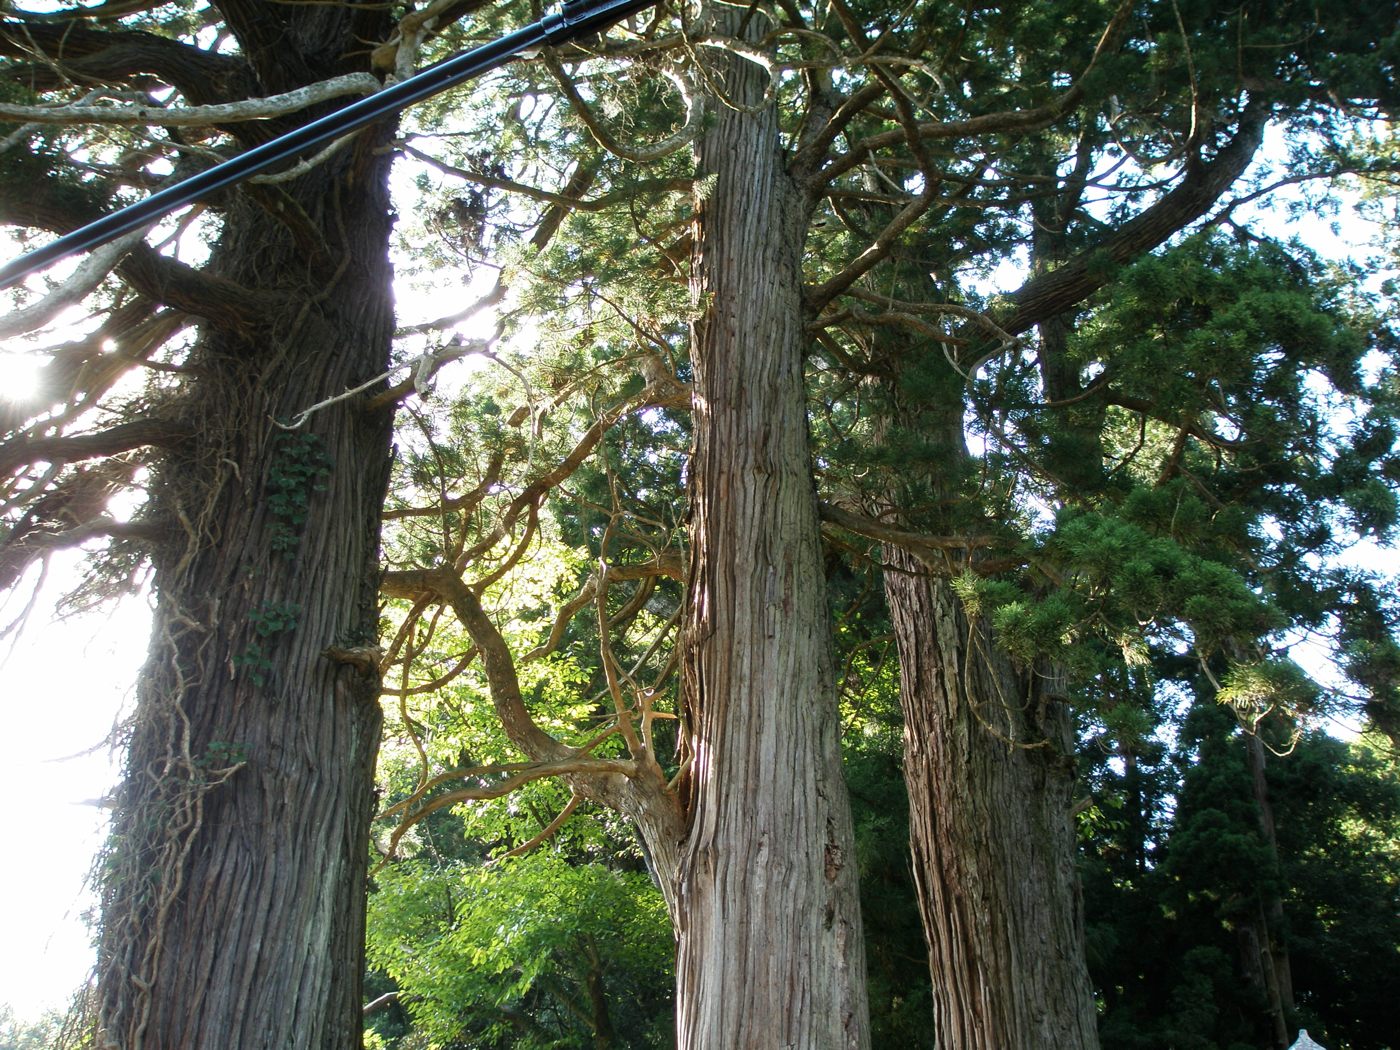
266 622
1179 875
300 465
534 953
1109 580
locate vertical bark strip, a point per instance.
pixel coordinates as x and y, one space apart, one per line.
987 758
233 898
990 780
770 947
1273 958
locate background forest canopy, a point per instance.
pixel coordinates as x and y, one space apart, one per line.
842 503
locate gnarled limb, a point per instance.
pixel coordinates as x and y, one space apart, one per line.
70 448
448 587
1054 292
933 551
635 787
213 115
61 54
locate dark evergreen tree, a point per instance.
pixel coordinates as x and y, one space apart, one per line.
1082 156
1174 943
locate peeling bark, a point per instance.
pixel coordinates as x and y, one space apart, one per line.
770 947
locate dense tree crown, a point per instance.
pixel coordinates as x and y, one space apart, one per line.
836 473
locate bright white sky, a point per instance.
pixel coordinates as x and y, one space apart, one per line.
65 684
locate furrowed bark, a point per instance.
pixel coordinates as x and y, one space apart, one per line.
233 892
988 750
990 779
770 947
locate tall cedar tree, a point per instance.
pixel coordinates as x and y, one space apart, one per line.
232 891
989 756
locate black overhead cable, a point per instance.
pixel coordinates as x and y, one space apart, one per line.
577 18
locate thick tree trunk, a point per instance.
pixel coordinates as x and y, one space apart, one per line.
770 947
233 894
987 759
1274 965
989 773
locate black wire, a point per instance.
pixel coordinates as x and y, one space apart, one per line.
576 19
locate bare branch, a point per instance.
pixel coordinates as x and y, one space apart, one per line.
877 250
532 524
463 504
667 564
400 53
519 774
19 552
622 713
536 490
425 366
564 199
301 167
1012 121
932 550
546 833
815 143
197 116
440 682
382 1002
89 274
512 775
1151 409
